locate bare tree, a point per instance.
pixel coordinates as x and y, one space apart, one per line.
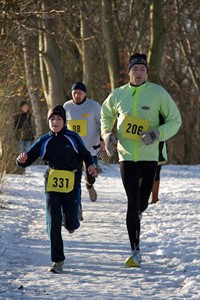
92 41
30 82
157 36
50 65
111 46
86 49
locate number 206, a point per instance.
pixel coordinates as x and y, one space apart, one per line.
134 129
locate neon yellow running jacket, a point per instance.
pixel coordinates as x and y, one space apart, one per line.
137 110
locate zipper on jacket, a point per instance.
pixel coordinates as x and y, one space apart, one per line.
135 96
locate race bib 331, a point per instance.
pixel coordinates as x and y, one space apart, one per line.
60 181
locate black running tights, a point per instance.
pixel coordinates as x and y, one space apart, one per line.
137 178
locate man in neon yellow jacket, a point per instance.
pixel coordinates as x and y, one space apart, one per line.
137 107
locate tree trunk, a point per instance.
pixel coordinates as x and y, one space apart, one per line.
50 67
157 40
30 84
86 50
110 44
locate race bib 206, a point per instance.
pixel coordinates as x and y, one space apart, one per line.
133 127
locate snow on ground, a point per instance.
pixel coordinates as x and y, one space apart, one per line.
95 253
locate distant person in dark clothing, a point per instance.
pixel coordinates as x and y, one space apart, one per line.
23 126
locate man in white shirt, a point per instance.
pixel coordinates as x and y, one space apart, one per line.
83 116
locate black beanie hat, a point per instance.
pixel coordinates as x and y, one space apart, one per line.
57 110
22 103
79 86
137 58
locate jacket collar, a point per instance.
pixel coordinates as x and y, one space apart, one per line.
61 132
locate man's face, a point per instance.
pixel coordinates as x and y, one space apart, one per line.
78 96
138 74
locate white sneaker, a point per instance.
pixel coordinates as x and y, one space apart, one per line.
57 267
134 260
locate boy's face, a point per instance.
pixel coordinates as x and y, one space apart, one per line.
56 123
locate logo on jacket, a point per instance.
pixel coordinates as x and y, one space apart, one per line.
145 107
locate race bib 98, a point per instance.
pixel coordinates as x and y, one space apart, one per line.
78 126
133 127
60 181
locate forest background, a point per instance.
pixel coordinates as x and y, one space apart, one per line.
47 45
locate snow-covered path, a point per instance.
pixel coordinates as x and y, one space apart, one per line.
170 245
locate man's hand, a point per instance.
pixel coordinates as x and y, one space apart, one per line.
100 148
110 143
22 158
149 137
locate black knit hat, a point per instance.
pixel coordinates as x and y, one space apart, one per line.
79 86
22 103
137 58
57 110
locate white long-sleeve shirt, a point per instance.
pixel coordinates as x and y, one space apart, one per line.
84 118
